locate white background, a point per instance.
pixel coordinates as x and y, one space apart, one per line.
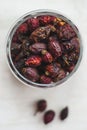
16 100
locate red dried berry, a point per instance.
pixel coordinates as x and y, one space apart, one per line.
46 19
41 106
33 23
49 116
15 38
64 113
66 32
52 70
31 74
46 56
37 47
45 79
33 61
70 69
23 28
54 47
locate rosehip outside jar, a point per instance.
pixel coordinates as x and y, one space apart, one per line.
44 48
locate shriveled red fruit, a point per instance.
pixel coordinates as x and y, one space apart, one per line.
54 47
15 38
66 32
37 47
31 73
61 75
33 23
48 116
33 61
52 70
46 56
23 28
45 79
41 106
42 33
15 48
70 69
46 19
67 46
64 113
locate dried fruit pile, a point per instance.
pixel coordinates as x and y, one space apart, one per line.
45 49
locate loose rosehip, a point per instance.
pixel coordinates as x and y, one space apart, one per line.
23 28
42 33
52 70
31 74
54 47
41 105
49 116
45 79
46 56
37 47
33 61
64 113
33 23
66 32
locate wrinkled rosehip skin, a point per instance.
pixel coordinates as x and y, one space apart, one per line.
54 48
33 61
47 57
42 33
37 47
45 80
31 74
23 28
52 70
33 24
49 116
66 32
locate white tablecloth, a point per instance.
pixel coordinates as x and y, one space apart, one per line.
17 100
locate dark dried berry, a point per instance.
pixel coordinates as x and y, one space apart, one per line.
54 48
31 74
61 75
67 46
64 113
49 116
19 56
33 61
70 69
37 47
42 33
66 32
20 64
45 79
25 47
23 28
52 70
46 56
33 23
15 48
41 106
15 38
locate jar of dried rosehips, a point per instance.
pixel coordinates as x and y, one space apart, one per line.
44 48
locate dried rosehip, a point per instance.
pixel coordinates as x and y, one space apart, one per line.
25 47
15 38
45 79
70 69
45 19
31 74
41 105
49 116
33 61
19 56
58 22
33 23
67 46
64 113
52 70
66 32
61 75
42 33
54 47
15 48
20 64
46 56
23 28
37 47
